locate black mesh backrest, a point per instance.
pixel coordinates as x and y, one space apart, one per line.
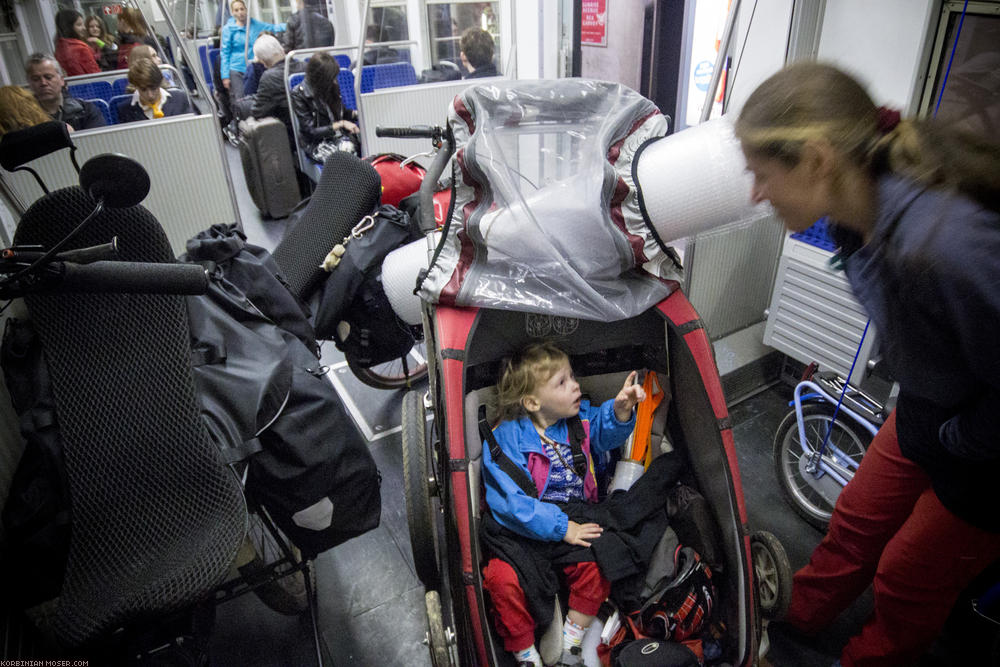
348 190
157 517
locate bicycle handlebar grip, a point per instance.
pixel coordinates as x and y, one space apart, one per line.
417 131
134 278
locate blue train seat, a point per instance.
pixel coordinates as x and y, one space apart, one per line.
391 75
92 90
117 100
105 110
345 79
118 86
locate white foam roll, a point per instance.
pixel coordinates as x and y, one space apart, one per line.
695 180
399 276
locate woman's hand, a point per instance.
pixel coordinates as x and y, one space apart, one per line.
346 125
225 84
630 395
578 534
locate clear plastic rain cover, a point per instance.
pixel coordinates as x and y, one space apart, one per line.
547 216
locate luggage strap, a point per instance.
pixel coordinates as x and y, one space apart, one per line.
518 475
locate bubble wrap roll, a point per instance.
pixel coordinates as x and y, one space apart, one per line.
695 180
399 276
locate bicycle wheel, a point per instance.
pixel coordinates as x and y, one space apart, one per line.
396 374
285 594
772 573
419 487
439 638
813 496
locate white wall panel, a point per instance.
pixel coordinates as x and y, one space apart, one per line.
189 190
423 104
884 44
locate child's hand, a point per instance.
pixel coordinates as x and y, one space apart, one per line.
579 533
630 395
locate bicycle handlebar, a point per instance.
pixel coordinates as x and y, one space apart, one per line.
414 131
133 278
109 277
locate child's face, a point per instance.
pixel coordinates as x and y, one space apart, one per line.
556 398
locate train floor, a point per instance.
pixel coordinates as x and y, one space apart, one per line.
371 609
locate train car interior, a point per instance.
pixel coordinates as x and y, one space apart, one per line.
785 331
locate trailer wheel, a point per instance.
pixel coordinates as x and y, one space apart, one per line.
419 487
772 573
438 640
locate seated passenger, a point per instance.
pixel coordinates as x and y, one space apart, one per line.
539 398
132 31
72 50
270 98
320 111
150 100
19 110
45 79
307 28
102 42
477 54
147 51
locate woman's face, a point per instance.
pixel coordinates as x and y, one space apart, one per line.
149 96
794 193
79 28
239 12
93 28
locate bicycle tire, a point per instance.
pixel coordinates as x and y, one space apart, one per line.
804 495
437 637
287 594
772 574
392 374
418 479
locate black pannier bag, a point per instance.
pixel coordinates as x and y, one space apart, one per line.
36 515
265 399
353 310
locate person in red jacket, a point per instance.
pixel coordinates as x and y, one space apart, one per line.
72 51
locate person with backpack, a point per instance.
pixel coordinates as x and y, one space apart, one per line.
543 456
915 207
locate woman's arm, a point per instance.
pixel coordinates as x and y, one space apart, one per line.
225 47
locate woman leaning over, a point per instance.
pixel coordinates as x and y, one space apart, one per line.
914 209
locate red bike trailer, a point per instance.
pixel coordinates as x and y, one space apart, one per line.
442 474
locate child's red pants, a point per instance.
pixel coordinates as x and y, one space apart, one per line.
587 590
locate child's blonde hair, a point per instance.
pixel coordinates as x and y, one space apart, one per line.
523 373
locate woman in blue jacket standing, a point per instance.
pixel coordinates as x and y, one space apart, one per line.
236 42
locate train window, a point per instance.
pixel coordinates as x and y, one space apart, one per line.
971 96
387 25
447 21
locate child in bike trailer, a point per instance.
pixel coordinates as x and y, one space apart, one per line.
539 456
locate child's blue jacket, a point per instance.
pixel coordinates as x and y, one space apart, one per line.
519 440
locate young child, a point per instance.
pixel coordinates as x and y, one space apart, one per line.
540 402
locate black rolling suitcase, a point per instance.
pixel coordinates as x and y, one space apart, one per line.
268 166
